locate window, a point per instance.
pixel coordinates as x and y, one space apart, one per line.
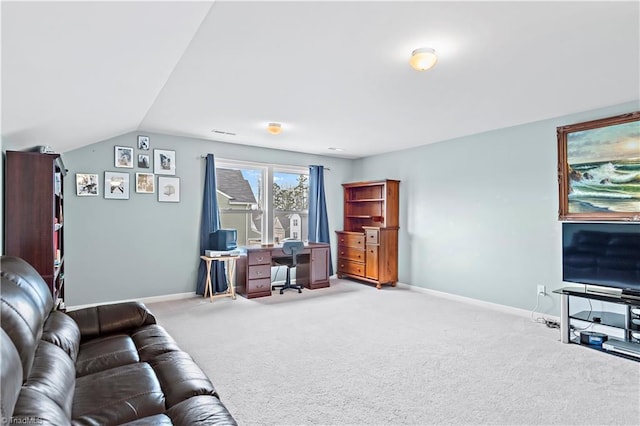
264 202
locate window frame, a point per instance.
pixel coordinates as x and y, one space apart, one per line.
268 170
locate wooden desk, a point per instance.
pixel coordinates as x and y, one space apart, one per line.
253 277
230 265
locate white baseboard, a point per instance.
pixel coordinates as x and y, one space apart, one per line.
145 300
476 302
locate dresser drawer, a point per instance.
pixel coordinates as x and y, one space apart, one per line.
372 236
351 240
350 253
259 257
260 271
259 286
349 267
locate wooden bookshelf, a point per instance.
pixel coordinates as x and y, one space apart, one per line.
34 216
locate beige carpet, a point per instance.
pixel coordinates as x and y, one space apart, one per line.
354 355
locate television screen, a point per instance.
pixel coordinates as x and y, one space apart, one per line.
223 240
601 254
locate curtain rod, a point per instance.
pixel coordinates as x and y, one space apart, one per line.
325 168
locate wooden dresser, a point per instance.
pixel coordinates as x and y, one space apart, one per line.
368 243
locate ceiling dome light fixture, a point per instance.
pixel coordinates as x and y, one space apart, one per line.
423 59
274 128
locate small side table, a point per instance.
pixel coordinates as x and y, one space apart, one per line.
230 265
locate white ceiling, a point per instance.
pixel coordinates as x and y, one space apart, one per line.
335 74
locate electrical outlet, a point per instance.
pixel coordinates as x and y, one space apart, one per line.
541 290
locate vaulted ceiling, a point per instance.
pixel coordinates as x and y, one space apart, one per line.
335 74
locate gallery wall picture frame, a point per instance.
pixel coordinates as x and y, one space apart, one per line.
124 157
168 189
599 169
143 161
86 185
145 183
164 162
116 185
144 142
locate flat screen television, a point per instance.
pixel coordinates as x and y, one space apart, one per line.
223 240
601 255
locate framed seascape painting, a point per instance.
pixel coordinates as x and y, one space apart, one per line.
599 169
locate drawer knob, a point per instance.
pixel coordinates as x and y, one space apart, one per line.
259 273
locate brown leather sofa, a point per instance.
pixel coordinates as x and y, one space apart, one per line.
105 365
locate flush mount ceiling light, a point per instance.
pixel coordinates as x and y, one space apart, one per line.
274 128
423 59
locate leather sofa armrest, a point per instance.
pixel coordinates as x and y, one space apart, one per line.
114 318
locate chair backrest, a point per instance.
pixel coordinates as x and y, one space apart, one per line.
292 248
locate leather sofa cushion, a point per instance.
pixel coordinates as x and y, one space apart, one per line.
63 332
180 377
157 420
34 407
114 318
104 353
118 395
153 340
22 318
53 376
200 410
11 375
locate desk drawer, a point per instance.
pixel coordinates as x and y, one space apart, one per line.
260 271
351 240
351 253
259 257
349 267
259 286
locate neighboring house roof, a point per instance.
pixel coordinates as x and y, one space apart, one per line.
233 185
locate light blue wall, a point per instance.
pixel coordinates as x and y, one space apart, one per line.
127 249
479 213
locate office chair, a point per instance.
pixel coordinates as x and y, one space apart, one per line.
291 249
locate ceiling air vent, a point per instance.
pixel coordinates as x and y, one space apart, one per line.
220 132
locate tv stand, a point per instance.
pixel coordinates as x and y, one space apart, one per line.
627 325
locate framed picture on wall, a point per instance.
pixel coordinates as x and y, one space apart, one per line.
143 161
164 162
168 189
86 184
116 185
124 156
145 183
143 142
599 169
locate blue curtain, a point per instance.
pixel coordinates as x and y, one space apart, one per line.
318 220
210 222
